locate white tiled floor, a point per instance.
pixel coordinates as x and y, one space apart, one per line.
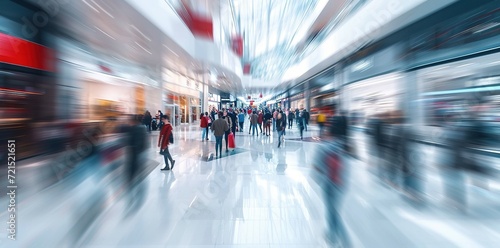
260 197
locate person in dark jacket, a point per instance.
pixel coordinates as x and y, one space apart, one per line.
280 127
291 116
219 127
164 140
268 119
305 118
241 120
147 120
136 143
234 120
300 125
254 119
230 123
137 140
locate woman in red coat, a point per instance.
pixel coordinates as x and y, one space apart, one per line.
163 142
204 125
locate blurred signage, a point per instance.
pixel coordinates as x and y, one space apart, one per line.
380 62
237 45
362 65
247 68
213 97
487 81
16 51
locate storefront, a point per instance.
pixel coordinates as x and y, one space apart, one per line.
182 104
297 101
374 85
213 101
463 88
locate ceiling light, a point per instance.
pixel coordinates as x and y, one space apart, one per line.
213 77
105 33
88 4
171 50
139 31
143 48
464 65
99 6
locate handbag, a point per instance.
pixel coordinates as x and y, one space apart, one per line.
171 138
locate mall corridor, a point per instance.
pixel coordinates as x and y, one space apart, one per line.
377 123
257 195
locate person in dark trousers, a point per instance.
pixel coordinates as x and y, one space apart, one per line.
305 118
164 140
137 140
229 121
147 120
275 116
254 118
329 172
297 113
234 120
300 125
159 115
136 143
268 120
204 126
219 127
241 120
260 120
213 113
291 116
280 127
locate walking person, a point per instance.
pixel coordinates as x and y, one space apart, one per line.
204 126
275 115
164 141
159 115
147 120
234 120
219 127
268 120
280 127
300 125
260 120
291 116
330 174
230 124
305 118
297 113
321 120
136 146
253 122
241 120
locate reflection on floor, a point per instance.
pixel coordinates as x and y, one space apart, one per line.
256 196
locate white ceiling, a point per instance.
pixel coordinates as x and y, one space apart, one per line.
115 30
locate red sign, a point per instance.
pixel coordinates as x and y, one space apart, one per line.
198 24
16 51
246 69
238 45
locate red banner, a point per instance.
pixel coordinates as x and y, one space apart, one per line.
16 51
238 45
246 69
198 24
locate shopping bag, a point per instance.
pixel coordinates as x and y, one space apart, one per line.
231 143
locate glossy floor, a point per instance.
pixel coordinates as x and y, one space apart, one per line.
256 196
